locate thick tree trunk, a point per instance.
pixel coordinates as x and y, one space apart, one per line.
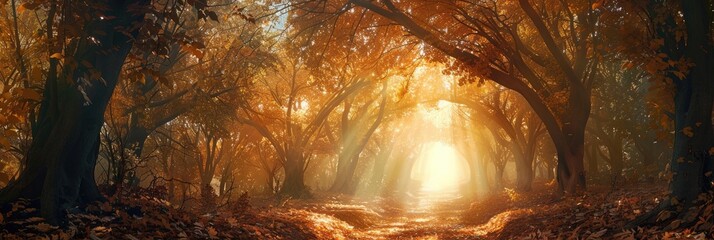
294 184
61 159
691 160
570 142
571 170
693 139
346 166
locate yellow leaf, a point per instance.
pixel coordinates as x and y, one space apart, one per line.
1 218
680 160
56 56
711 151
688 131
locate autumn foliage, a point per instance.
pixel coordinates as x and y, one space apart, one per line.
356 119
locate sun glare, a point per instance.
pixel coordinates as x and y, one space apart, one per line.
440 169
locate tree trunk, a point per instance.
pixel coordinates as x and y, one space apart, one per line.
380 164
294 184
345 171
136 136
693 139
616 160
524 171
498 178
570 142
61 159
691 160
592 159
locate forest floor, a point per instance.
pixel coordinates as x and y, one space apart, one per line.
598 214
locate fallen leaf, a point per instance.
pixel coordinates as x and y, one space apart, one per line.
663 215
43 227
598 234
212 232
130 237
34 219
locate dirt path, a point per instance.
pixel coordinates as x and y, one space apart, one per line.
423 217
412 216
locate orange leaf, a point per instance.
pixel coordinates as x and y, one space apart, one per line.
193 50
43 227
21 8
56 56
597 5
212 232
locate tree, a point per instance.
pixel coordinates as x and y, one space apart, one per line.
512 125
679 56
88 45
354 140
519 46
21 76
292 111
61 158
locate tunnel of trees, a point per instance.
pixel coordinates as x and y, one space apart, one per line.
356 119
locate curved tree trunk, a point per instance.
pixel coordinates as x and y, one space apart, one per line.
61 159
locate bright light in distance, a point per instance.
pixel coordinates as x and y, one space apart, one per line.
440 169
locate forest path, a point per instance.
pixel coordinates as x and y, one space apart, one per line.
423 215
601 212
